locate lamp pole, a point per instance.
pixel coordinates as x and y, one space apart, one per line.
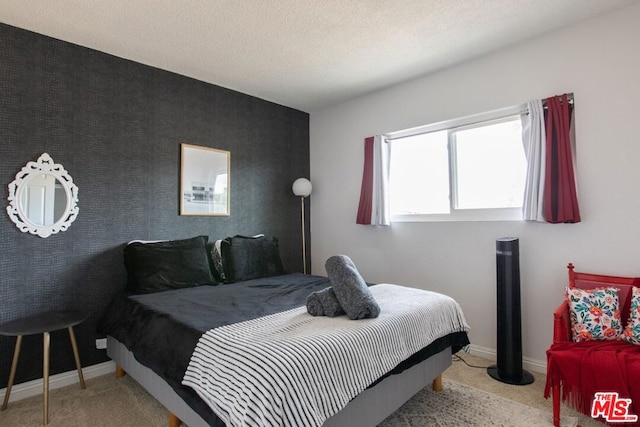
302 188
304 240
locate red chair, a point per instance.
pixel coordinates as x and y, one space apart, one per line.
562 321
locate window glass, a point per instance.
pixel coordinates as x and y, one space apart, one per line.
490 166
419 174
473 170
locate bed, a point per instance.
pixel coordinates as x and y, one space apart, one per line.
153 335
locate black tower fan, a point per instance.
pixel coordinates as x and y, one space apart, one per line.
509 367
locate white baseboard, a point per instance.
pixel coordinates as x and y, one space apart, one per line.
528 363
34 388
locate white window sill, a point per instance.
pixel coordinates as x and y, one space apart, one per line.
469 215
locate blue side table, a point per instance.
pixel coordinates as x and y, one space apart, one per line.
43 323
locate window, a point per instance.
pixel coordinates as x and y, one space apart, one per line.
469 169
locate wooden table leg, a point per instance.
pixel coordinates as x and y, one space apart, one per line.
46 338
74 345
12 375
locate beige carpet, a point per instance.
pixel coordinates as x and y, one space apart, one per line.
530 395
462 405
470 398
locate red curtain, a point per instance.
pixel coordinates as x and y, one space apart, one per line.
560 198
365 206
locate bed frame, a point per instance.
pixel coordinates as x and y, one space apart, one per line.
369 408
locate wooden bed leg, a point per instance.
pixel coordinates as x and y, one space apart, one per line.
119 371
173 420
437 383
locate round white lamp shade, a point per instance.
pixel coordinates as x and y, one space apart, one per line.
301 187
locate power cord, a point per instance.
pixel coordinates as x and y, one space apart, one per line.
457 358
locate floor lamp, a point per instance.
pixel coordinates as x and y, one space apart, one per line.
302 188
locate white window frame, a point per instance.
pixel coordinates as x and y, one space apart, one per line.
455 214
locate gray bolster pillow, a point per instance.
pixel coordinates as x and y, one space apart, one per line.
324 303
350 288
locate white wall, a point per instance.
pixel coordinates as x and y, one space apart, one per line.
599 61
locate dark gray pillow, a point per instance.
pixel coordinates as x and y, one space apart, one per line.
172 264
246 258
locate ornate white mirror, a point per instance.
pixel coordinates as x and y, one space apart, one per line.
43 199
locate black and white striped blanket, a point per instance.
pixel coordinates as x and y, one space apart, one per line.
293 369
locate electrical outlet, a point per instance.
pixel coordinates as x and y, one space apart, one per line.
101 343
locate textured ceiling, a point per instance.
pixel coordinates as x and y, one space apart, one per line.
306 54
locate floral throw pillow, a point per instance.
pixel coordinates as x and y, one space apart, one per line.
632 331
595 314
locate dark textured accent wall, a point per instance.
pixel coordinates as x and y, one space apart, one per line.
116 126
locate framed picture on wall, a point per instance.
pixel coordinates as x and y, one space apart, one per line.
205 176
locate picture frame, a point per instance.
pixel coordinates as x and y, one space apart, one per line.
205 175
